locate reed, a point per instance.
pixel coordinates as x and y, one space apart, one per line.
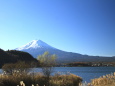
105 80
39 80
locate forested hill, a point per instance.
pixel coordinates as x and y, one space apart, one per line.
13 56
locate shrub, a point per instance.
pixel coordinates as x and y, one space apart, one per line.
107 80
56 80
19 67
65 80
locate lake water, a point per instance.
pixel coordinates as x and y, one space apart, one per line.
87 73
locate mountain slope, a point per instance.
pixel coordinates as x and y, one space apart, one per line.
38 47
13 56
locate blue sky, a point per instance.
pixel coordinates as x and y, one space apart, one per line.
81 26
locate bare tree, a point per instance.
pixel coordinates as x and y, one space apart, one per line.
15 68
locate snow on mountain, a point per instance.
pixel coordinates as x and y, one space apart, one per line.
34 44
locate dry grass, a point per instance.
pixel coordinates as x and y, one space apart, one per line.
106 80
13 80
56 80
65 80
39 80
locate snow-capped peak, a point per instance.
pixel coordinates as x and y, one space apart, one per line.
34 44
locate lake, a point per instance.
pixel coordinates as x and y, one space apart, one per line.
87 73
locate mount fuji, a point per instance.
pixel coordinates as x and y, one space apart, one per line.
38 47
34 45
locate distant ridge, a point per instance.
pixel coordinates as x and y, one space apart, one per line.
38 47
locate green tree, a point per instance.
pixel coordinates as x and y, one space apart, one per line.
47 62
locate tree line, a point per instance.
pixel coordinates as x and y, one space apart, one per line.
14 56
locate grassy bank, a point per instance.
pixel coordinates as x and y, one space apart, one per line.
39 80
105 80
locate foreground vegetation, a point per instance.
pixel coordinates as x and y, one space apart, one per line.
68 79
105 80
39 80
